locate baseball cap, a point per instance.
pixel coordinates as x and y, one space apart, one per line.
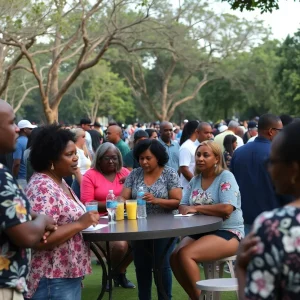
185 121
140 134
26 124
85 121
252 125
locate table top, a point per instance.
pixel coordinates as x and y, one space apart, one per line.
154 227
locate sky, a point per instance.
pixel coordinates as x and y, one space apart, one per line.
284 21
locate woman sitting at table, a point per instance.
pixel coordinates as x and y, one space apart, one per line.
107 173
214 192
57 267
163 194
84 160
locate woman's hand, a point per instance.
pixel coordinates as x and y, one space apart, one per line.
248 247
88 219
185 209
150 198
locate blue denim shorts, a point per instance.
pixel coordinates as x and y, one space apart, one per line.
225 234
58 289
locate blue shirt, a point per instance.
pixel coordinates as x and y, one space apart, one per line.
19 154
223 189
257 191
173 152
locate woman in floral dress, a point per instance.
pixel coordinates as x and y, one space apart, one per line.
268 264
58 266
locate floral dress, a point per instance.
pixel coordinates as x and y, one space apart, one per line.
14 210
274 271
70 259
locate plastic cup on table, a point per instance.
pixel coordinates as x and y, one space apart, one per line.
131 208
91 206
120 209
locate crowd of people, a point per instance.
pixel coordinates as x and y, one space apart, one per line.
247 174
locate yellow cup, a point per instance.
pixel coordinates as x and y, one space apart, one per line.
131 208
120 211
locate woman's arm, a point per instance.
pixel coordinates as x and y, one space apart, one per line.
218 210
126 193
65 232
172 202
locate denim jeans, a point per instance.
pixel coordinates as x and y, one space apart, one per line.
58 289
144 261
76 188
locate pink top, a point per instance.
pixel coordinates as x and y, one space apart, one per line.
94 186
70 259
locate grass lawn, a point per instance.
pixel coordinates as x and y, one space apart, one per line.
92 287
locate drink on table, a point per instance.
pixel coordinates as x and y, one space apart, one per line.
111 206
120 209
91 206
141 204
131 208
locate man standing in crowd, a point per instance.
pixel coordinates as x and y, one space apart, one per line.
251 133
232 129
19 169
86 125
172 147
19 230
114 135
248 167
204 133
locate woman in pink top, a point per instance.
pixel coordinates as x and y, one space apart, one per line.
58 266
107 173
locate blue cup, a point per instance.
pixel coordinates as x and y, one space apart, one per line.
91 206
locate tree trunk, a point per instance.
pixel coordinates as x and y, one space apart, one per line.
52 115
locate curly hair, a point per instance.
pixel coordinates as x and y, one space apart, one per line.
156 148
48 145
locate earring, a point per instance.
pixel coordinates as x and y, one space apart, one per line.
215 165
52 167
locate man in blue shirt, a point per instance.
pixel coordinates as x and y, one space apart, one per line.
19 166
172 147
248 167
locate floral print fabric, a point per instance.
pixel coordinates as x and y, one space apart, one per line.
274 271
14 210
70 259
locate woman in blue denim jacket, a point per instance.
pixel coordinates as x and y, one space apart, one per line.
213 191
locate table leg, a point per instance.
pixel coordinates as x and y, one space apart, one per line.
96 250
157 270
108 271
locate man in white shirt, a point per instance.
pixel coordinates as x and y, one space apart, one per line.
187 151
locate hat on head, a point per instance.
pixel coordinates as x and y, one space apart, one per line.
185 121
85 121
252 125
26 124
140 134
222 128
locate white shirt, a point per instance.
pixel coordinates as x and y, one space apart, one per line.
88 141
84 163
187 159
252 139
